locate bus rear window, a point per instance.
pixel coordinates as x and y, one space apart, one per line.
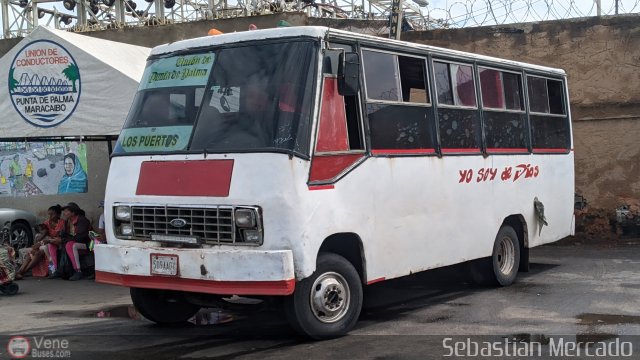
549 122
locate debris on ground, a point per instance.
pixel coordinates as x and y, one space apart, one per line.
628 216
120 311
211 317
606 225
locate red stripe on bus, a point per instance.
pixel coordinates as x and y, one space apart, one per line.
321 187
447 151
402 151
332 131
375 281
508 150
550 150
185 178
325 168
280 287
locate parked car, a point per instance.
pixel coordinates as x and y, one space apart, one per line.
22 226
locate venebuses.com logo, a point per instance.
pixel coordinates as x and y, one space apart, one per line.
20 347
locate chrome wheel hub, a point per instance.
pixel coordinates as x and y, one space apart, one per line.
506 255
19 238
330 297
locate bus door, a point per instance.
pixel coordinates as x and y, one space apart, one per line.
340 141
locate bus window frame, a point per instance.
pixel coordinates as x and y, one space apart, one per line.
425 68
443 58
429 104
327 44
317 127
363 153
317 44
564 104
524 105
472 64
567 116
525 111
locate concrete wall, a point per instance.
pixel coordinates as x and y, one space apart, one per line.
602 59
98 167
607 160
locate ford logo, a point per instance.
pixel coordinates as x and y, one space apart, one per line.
178 223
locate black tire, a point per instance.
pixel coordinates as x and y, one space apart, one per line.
481 272
11 288
162 306
335 308
502 267
21 236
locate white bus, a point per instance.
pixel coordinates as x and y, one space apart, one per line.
306 163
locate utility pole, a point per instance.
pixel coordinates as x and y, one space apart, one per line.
395 25
5 18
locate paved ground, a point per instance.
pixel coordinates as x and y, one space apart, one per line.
586 293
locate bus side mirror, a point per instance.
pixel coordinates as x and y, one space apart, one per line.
348 73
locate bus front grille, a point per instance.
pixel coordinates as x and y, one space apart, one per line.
212 225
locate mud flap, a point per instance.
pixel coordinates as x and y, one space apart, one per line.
524 260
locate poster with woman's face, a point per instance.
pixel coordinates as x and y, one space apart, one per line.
43 168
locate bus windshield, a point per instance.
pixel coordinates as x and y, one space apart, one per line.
247 98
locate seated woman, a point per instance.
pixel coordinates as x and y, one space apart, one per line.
75 237
35 255
46 242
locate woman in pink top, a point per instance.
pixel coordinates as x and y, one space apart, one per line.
47 241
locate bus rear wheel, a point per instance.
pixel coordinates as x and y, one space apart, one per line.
502 267
326 304
162 306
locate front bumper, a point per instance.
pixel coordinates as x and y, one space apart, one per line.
212 271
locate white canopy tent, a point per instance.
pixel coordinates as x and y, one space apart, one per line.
59 84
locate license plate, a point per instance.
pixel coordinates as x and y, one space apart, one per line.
164 264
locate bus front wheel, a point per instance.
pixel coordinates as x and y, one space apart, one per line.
502 267
162 306
326 304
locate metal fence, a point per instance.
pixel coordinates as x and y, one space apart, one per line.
19 17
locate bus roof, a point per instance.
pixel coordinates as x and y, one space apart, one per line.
321 32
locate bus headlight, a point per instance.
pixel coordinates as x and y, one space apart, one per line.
245 218
252 236
248 225
126 230
123 213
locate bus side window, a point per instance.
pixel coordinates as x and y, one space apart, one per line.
549 121
458 119
398 103
330 66
503 111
